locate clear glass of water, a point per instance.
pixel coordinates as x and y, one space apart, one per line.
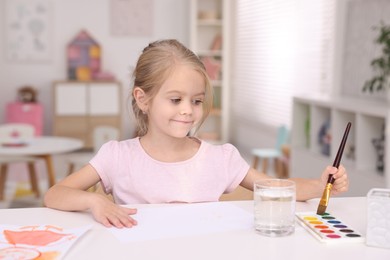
274 207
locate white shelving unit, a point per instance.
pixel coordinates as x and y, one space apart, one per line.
369 119
79 107
210 40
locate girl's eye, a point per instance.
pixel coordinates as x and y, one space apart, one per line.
175 100
197 101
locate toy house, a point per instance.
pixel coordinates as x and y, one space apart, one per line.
84 57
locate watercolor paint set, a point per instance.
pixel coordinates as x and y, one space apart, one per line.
328 228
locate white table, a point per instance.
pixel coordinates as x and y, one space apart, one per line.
44 147
99 243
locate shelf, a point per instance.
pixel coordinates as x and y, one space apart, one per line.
209 40
78 108
355 105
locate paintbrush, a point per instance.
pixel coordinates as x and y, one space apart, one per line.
325 196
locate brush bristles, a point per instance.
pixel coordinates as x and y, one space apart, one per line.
324 199
321 209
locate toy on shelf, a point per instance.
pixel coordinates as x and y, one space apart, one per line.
216 45
325 138
84 57
213 67
379 145
208 15
27 94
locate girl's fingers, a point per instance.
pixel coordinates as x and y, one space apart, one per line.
105 222
130 211
341 185
122 218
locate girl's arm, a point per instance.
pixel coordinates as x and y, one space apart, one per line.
71 194
306 188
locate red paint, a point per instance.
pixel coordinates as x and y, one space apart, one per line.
326 231
333 236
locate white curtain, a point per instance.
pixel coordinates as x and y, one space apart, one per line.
282 48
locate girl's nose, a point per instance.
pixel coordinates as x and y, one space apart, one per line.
186 108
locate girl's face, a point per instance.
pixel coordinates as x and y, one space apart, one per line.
178 105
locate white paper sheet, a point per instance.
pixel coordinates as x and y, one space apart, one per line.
180 220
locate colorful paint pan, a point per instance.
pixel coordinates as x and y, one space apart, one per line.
327 228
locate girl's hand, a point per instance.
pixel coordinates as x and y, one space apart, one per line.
341 183
109 214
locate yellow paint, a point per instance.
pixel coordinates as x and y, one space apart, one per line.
310 218
315 222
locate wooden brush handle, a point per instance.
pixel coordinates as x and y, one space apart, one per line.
339 154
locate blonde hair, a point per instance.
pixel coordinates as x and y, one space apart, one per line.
156 63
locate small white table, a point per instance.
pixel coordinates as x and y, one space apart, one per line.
99 243
43 147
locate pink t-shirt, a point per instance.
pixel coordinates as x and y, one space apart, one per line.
132 176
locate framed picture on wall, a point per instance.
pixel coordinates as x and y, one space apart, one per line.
27 30
131 18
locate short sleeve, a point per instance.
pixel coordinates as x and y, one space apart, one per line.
236 167
105 161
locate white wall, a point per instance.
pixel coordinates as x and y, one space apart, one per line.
119 54
359 46
355 49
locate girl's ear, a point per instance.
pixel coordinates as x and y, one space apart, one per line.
141 98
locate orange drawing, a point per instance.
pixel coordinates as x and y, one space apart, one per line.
35 242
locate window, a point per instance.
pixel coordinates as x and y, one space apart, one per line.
282 48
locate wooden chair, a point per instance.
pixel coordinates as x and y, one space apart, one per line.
275 153
238 194
99 189
14 134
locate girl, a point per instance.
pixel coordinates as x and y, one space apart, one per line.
171 96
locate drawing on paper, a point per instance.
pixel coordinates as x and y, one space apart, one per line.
36 242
